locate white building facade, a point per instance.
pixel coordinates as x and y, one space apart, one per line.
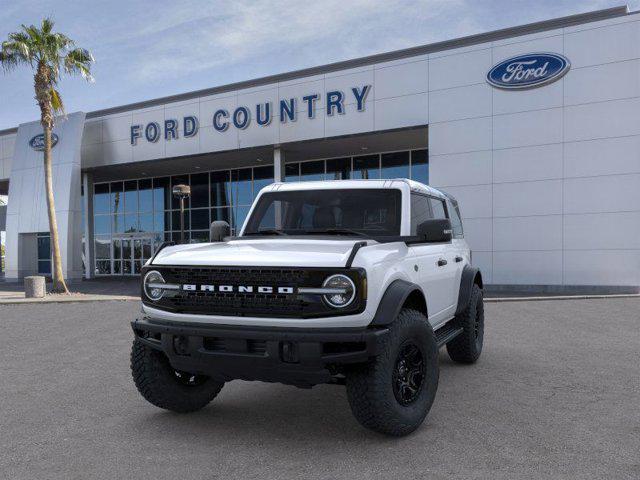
542 153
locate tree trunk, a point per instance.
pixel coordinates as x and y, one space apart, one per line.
59 285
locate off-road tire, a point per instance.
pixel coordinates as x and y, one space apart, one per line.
467 347
158 383
370 387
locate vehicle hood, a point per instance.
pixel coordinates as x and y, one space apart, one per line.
271 252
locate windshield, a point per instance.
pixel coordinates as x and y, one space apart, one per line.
359 212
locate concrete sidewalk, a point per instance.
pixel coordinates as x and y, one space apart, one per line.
101 289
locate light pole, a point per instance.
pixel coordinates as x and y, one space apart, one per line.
181 192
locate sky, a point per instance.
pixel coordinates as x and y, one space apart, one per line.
149 49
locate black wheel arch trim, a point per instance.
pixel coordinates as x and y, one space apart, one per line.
393 300
470 276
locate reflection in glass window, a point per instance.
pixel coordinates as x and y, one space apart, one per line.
200 219
292 172
145 222
161 194
44 267
395 165
240 214
175 220
117 224
161 221
102 224
241 181
437 207
221 214
199 237
200 190
220 188
145 195
117 191
131 196
339 169
103 267
420 166
103 248
262 176
131 222
366 167
44 246
101 198
310 171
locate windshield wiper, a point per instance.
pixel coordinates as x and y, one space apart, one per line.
266 231
339 231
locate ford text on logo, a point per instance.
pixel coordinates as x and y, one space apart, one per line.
528 71
37 142
286 110
237 289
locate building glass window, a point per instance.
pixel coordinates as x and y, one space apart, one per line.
366 167
395 165
310 171
144 212
44 253
420 166
339 169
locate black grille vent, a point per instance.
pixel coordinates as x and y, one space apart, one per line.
250 303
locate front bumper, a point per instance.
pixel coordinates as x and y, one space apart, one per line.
301 357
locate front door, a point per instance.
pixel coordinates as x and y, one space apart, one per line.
130 252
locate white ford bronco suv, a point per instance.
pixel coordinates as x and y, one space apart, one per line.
349 282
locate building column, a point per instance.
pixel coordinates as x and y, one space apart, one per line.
278 165
87 206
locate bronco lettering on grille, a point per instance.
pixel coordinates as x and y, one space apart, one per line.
237 289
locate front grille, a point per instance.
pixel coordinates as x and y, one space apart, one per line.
218 344
251 304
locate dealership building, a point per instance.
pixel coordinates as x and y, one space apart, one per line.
534 129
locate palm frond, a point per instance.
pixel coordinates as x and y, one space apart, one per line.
79 60
56 101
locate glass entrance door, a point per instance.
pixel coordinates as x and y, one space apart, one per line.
130 251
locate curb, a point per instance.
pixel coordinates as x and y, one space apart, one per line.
30 301
559 297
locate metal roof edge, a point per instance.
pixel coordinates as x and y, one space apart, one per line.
500 34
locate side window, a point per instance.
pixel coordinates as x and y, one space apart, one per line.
456 221
420 211
438 208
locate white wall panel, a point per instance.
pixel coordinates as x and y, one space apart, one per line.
540 162
527 233
117 152
212 140
352 121
459 70
345 82
460 103
298 89
527 198
460 136
117 128
303 128
528 268
547 42
527 128
484 261
602 157
599 83
602 267
603 45
601 120
402 79
398 112
509 101
471 168
478 232
474 200
602 231
613 193
92 132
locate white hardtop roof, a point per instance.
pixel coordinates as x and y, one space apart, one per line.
354 184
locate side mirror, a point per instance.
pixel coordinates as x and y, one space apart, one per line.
435 230
218 230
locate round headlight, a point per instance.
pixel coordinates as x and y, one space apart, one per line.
150 282
345 291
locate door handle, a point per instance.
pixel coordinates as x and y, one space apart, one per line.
458 259
442 262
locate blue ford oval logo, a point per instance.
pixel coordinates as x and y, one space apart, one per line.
528 71
37 142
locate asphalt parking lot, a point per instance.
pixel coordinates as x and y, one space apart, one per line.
555 395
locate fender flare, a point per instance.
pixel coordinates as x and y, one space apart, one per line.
469 276
392 301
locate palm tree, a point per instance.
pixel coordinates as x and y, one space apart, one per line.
47 53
